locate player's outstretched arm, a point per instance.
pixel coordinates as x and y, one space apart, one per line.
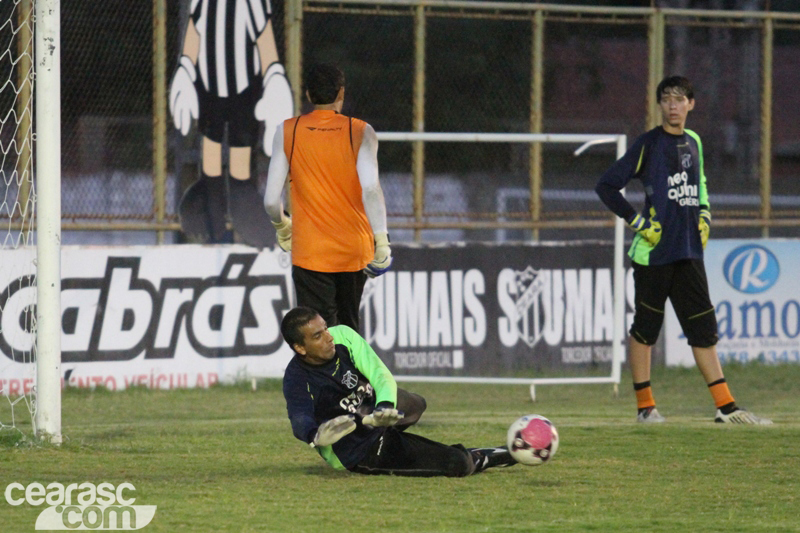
374 202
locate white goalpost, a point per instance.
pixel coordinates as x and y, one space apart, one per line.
30 262
47 419
586 141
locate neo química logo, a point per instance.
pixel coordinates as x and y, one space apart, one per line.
751 269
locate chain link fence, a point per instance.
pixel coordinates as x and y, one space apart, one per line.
458 67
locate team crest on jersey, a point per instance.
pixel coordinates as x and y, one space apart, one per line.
686 160
349 380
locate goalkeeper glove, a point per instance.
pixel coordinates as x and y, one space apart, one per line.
382 417
383 256
276 103
704 226
183 103
333 430
284 231
648 228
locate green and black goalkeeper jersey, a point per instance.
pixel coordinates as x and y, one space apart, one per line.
670 168
354 381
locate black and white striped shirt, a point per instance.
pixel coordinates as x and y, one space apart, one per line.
228 61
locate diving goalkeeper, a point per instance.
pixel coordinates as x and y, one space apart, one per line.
344 402
667 250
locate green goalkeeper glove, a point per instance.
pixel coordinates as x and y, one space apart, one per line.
382 417
705 226
333 430
383 256
648 228
284 231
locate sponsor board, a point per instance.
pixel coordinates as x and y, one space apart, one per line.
190 316
493 310
162 317
757 298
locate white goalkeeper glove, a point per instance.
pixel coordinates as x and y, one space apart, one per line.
383 256
648 228
284 231
382 417
333 430
276 103
183 105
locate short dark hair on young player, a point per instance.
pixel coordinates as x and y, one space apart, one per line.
675 82
323 82
293 321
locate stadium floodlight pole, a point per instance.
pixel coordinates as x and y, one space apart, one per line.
47 418
617 337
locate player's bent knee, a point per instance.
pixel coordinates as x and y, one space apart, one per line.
412 405
646 325
701 330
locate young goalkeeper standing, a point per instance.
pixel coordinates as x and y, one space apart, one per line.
667 250
337 234
343 401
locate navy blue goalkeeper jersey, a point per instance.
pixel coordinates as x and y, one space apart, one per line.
670 168
353 382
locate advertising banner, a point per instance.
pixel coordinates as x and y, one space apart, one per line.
754 287
161 317
189 316
493 310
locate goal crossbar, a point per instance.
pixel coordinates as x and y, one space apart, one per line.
587 141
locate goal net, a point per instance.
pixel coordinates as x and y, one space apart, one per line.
529 287
30 321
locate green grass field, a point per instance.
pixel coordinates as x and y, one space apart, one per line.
224 459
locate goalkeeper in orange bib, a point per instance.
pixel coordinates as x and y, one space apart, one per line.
667 250
337 232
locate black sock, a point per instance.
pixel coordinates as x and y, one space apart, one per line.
728 408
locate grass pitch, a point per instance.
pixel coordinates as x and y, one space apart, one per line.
224 459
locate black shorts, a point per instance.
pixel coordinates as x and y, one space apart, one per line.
405 454
685 284
237 111
336 296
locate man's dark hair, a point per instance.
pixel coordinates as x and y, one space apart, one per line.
293 321
683 85
323 82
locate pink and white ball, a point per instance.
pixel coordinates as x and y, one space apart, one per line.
532 440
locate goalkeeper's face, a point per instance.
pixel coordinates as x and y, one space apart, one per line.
318 347
675 106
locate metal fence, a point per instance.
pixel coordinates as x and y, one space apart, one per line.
512 67
452 66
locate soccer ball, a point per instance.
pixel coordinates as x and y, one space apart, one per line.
532 440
